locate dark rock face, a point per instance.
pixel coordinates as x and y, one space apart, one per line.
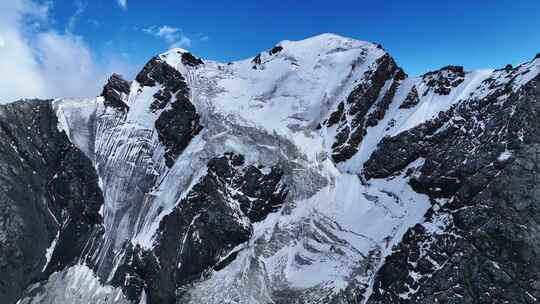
352 115
48 188
199 234
257 61
157 72
411 100
378 113
176 127
480 246
443 80
337 115
179 123
275 50
189 59
113 91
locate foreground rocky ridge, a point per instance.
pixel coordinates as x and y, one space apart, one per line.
315 172
49 195
479 239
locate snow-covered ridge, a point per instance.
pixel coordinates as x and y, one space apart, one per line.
299 82
293 85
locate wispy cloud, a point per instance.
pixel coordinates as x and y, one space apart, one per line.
44 62
122 3
74 19
173 36
93 22
203 37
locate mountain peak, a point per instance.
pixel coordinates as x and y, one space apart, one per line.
180 59
308 48
324 44
328 40
176 51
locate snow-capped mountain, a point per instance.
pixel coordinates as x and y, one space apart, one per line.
315 172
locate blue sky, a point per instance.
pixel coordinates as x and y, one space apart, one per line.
421 35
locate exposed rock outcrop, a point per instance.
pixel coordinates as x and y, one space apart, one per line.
50 199
355 115
202 231
115 91
178 122
478 247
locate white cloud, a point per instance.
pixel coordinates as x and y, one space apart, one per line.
122 3
172 35
67 65
37 61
